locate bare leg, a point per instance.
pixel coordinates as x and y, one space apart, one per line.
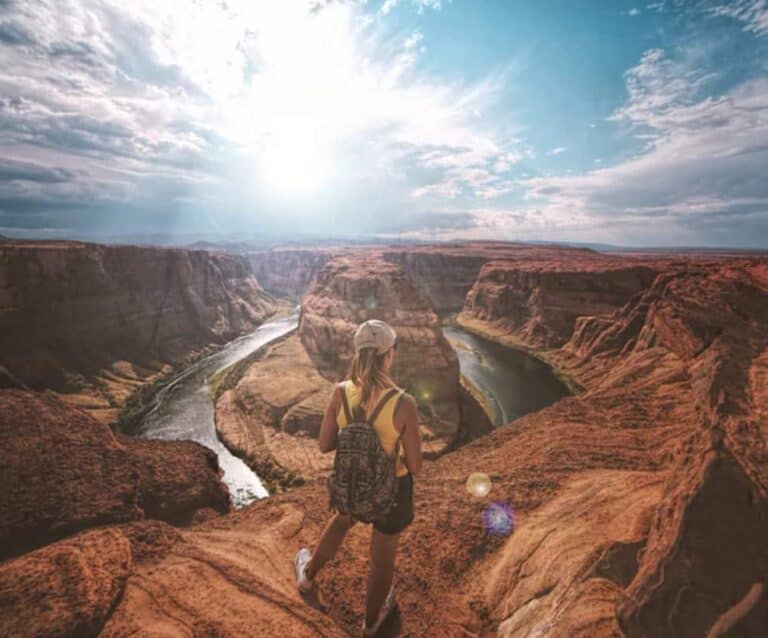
330 541
383 549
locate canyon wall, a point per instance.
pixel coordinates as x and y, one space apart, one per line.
446 272
668 442
354 288
289 271
96 321
639 505
538 300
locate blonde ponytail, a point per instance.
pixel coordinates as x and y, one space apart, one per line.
367 370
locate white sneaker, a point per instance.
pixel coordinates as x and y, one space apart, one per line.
300 561
386 608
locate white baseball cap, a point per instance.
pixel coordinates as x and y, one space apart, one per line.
375 333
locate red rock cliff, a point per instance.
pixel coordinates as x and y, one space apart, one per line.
660 469
447 271
289 271
354 288
539 299
62 472
74 316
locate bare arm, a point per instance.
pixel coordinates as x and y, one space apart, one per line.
329 429
408 415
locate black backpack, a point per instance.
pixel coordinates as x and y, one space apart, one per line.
363 482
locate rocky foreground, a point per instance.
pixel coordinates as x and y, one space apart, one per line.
641 504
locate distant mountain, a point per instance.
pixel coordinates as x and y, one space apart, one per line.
244 243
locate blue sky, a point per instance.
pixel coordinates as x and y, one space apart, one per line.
634 123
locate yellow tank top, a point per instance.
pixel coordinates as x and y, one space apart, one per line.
384 423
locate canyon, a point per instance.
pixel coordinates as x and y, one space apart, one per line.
95 322
640 502
271 410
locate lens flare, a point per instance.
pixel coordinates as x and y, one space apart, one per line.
478 484
498 519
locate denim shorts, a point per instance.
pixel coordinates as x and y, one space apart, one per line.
401 515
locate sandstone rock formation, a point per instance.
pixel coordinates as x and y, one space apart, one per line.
226 578
539 299
289 271
93 322
447 271
671 393
640 505
66 589
271 415
62 471
354 288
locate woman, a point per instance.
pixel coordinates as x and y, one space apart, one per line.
367 381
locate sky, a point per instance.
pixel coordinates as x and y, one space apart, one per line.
605 121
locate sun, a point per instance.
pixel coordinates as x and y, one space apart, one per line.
294 161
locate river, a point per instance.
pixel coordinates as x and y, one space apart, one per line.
183 409
513 382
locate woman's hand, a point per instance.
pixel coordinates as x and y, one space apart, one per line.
329 429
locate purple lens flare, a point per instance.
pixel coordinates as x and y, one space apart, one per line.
498 519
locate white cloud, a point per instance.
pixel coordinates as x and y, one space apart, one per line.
387 6
420 5
705 164
558 151
658 87
296 98
752 13
634 11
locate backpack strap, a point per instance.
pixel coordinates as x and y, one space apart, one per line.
380 406
344 402
394 412
358 412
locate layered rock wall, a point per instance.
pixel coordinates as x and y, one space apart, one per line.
350 290
447 272
110 316
540 301
446 278
669 388
289 271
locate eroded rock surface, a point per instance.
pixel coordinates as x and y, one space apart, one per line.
290 271
354 288
639 504
68 588
669 387
228 579
447 271
94 322
62 471
540 299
